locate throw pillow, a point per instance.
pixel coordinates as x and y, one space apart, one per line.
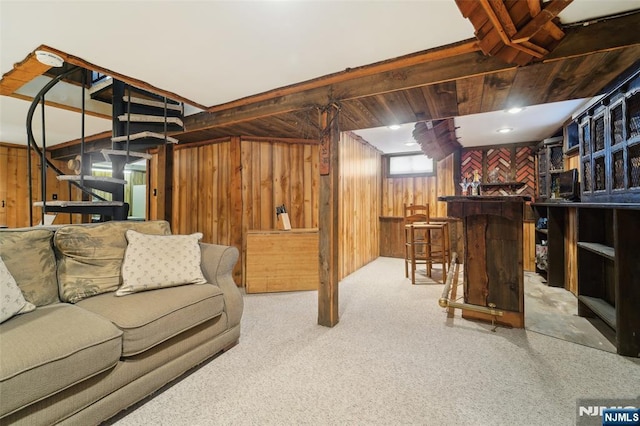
29 256
12 301
157 261
90 256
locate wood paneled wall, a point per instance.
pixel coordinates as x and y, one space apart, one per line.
206 193
277 173
225 188
14 188
358 224
398 191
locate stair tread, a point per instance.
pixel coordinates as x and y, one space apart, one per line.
92 178
123 153
64 203
144 135
149 102
101 85
144 118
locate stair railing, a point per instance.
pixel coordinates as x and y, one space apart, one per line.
44 161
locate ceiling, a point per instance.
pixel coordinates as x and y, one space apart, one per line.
219 54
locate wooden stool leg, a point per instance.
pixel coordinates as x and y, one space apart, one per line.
428 251
413 256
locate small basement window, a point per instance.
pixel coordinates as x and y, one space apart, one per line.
409 165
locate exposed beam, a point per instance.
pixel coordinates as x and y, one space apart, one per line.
534 7
597 37
69 149
551 10
354 73
438 71
495 9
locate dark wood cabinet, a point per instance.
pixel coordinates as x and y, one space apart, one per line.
609 140
550 157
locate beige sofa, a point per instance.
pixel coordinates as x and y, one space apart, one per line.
84 354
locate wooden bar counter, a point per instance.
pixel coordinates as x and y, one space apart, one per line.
493 261
282 260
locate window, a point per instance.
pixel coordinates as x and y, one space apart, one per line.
409 165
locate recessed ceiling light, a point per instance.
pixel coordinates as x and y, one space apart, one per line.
49 58
505 130
394 126
411 143
515 110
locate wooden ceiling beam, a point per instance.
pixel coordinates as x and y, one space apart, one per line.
579 41
439 71
550 11
534 7
427 56
503 24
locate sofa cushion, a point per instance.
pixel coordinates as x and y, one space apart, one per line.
90 256
11 299
151 317
156 261
29 256
50 349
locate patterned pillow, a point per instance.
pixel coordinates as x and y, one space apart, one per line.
90 256
28 254
11 299
155 261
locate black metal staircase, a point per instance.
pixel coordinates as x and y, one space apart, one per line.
141 120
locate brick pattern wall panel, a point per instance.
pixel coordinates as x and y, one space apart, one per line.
499 159
525 171
470 160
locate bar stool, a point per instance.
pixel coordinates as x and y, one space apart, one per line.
426 242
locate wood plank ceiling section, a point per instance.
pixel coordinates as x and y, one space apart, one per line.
451 81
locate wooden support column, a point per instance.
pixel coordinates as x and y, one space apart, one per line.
164 182
236 217
328 218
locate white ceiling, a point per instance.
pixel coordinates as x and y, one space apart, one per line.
213 52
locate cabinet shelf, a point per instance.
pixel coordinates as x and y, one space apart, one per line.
598 248
601 308
553 255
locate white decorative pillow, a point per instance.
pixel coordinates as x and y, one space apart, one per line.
156 261
12 301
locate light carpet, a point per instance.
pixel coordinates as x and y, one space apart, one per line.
393 359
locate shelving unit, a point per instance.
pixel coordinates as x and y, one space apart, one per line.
550 162
554 237
609 271
608 265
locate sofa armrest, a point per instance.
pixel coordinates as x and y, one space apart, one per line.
217 266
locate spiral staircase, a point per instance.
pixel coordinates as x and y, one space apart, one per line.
141 120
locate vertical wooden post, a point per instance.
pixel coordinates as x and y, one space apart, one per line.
328 219
165 182
236 216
